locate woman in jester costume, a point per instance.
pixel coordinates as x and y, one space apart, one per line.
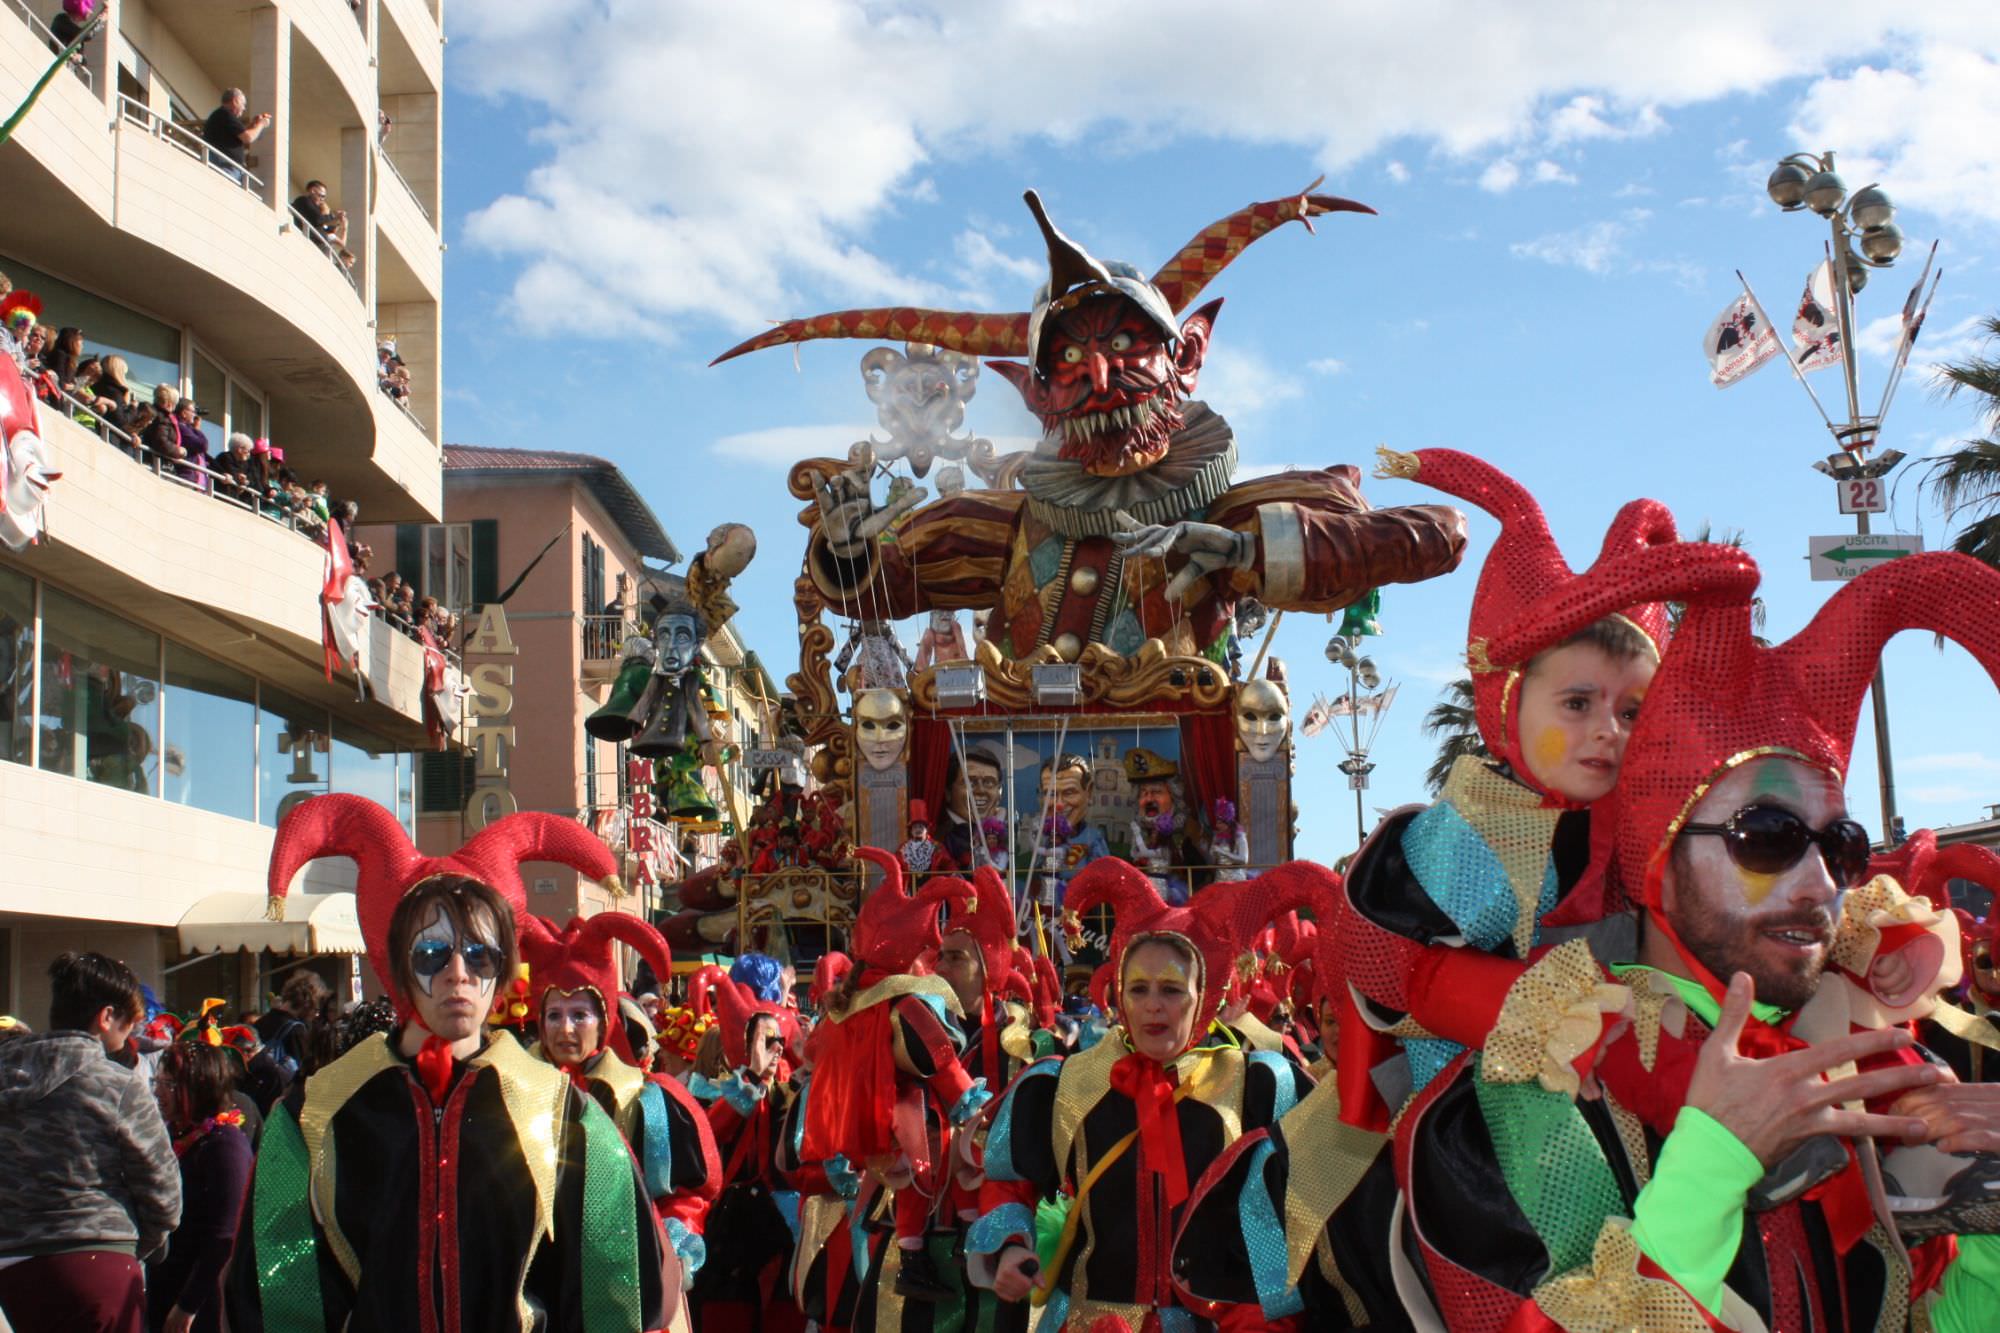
1126 1126
667 1129
437 1176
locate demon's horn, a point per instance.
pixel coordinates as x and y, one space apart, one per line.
337 825
956 331
1070 265
1215 246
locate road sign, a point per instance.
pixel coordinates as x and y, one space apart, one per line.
1863 495
1839 558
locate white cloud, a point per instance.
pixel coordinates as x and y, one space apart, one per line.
1596 248
733 163
1396 171
1500 176
782 446
1244 381
1936 346
1964 761
1327 365
1950 794
983 260
1548 173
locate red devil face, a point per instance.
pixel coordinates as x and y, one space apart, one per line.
1110 385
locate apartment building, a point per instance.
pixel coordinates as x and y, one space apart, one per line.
162 692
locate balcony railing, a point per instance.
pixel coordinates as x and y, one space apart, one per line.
191 143
415 198
48 37
325 245
604 636
403 405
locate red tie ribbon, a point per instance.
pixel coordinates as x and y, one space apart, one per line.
1151 1089
434 1067
1842 1197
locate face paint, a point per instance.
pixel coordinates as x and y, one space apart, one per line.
1166 972
1550 747
1756 885
1774 777
437 935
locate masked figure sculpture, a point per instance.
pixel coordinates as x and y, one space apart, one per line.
1126 526
25 474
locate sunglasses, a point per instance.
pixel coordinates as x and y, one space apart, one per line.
1769 839
430 957
774 1043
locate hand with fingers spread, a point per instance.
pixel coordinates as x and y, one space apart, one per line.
848 516
1957 1117
1206 546
1774 1104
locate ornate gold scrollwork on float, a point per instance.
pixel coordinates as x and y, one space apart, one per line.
1148 678
796 894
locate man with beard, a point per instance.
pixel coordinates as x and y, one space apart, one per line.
1738 1122
1125 525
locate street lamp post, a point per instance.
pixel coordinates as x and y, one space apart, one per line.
1865 236
1361 675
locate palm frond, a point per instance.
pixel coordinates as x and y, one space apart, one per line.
1454 721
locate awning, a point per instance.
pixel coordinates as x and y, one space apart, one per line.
314 923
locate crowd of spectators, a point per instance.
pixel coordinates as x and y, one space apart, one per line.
139 1137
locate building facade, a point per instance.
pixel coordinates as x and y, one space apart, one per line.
163 697
559 543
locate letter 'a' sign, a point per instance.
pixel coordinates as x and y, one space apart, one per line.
491 733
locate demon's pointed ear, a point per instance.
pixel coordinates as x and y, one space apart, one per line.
1195 332
1022 378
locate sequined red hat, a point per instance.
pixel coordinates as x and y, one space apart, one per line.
1721 699
1220 921
831 969
1528 599
580 959
984 909
735 1006
893 927
389 866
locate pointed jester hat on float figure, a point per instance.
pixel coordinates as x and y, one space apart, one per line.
1073 275
1721 700
1528 599
579 958
1220 922
388 866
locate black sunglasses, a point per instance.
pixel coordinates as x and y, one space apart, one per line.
1769 839
774 1043
430 957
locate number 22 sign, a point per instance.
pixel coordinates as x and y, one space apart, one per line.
1863 495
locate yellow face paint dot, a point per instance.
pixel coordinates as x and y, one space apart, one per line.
1757 886
1551 747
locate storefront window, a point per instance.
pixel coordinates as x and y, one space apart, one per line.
17 664
293 760
211 728
100 696
364 764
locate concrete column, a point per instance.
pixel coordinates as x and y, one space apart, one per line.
357 196
101 53
270 89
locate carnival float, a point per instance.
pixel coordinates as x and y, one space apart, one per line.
1087 680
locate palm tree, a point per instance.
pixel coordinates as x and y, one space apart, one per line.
1969 476
1732 537
1453 721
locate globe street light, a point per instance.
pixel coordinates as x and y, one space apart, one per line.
1864 219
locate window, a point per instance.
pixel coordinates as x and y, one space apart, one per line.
152 350
17 666
211 730
365 764
294 762
100 696
593 577
437 559
246 411
444 780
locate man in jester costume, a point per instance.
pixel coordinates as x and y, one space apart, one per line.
1737 1168
576 982
438 1177
1125 525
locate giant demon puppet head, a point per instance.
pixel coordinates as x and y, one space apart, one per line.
1108 365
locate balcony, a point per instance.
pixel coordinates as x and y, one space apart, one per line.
603 645
411 26
130 532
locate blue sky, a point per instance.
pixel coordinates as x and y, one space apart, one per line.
1564 194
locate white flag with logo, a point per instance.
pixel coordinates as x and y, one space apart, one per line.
1316 717
1815 330
1739 343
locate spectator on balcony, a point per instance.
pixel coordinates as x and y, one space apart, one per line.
328 225
194 442
68 25
62 355
236 472
111 387
230 135
155 428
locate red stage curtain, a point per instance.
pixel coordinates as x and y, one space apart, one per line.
930 762
1208 761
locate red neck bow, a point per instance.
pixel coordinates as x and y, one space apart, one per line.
1151 1088
434 1061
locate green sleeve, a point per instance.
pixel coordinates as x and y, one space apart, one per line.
1971 1289
1689 1217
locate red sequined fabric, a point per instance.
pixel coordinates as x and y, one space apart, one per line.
1528 599
1720 699
1220 921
